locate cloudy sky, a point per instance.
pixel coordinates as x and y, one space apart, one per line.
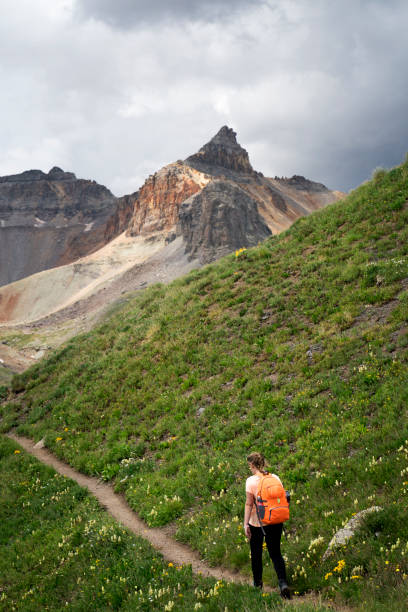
115 89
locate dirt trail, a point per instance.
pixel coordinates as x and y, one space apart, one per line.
116 505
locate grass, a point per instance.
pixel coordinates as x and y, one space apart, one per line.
5 379
60 550
296 348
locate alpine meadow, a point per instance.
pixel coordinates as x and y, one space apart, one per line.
296 348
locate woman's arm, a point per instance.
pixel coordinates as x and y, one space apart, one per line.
248 509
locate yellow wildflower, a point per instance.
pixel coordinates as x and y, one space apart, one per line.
16 452
339 566
239 251
58 439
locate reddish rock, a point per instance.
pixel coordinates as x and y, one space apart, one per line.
120 219
156 204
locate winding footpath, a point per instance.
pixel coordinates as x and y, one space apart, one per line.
116 505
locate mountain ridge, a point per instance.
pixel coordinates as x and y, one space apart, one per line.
212 203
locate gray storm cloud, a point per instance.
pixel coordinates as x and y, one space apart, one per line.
130 13
114 90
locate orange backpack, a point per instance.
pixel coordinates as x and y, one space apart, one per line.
271 504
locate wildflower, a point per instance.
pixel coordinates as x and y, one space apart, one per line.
17 452
316 542
355 577
328 574
170 565
340 565
58 439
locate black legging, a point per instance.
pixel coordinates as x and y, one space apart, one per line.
273 535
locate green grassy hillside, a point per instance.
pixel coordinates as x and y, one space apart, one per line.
59 551
297 348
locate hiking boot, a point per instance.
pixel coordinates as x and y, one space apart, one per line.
284 590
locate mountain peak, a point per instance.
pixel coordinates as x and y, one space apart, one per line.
58 174
222 151
225 136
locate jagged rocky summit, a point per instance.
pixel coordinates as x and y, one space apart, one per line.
223 151
217 202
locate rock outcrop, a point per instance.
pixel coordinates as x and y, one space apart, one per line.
301 183
156 204
47 220
222 151
342 536
220 218
121 218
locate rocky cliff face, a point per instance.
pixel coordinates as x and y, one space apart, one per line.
49 219
122 216
220 218
156 204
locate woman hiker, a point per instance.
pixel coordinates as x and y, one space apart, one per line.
256 533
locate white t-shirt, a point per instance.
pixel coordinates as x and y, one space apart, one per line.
251 486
